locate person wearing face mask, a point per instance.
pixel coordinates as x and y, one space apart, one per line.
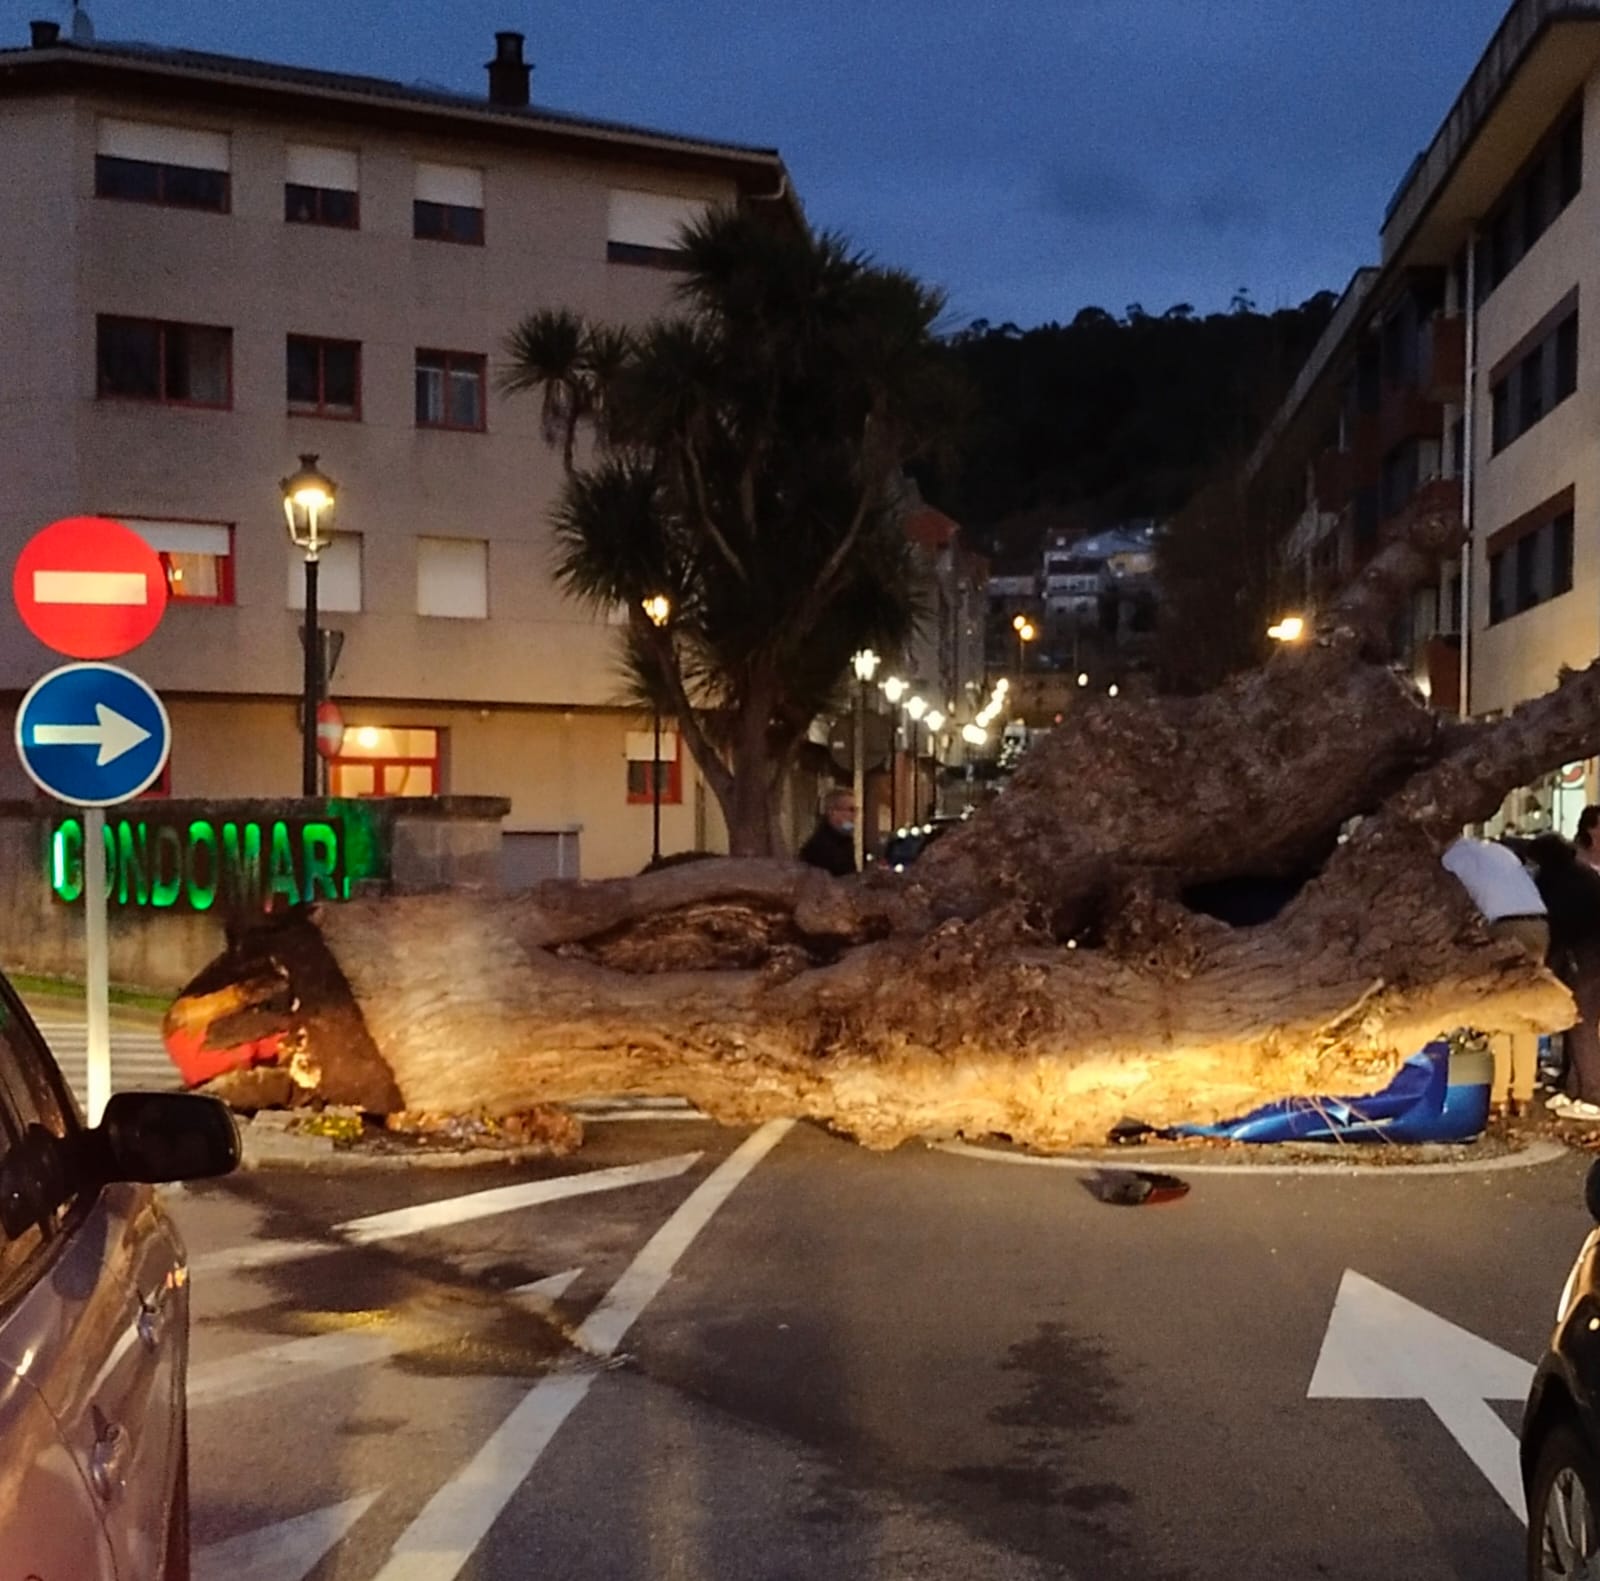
832 845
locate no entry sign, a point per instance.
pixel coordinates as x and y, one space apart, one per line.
90 587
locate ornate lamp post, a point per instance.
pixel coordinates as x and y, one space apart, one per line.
916 707
308 500
894 689
659 609
865 664
935 723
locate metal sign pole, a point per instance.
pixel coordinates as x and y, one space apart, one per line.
97 973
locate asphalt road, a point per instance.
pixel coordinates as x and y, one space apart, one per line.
782 1357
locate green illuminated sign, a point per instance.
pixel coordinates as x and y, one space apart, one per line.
238 865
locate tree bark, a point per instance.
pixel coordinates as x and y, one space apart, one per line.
1037 976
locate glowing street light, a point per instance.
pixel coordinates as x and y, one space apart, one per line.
1290 629
865 664
974 735
1111 691
894 688
309 496
917 707
658 608
1083 680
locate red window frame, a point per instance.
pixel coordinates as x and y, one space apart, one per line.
161 200
318 218
361 760
453 360
225 582
321 409
445 212
672 783
163 326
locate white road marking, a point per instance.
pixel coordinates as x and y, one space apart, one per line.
318 1355
1533 1155
440 1541
293 1361
1379 1346
287 1551
378 1227
544 1291
90 587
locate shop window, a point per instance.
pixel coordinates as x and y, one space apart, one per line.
142 359
197 557
641 749
387 760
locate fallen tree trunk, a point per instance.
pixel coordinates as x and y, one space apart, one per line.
1037 977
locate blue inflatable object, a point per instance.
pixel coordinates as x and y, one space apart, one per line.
1419 1105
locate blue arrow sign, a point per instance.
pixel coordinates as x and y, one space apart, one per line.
93 735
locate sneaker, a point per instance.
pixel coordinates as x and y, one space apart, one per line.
1565 1108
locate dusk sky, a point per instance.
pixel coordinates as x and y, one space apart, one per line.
1032 157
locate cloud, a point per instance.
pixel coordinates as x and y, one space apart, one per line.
1098 195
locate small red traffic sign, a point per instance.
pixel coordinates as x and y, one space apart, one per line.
89 587
330 730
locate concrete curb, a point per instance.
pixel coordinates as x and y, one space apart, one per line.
273 1149
1176 1161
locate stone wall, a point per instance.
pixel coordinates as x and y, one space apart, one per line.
394 845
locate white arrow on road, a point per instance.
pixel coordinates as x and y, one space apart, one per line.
115 734
288 1551
1379 1346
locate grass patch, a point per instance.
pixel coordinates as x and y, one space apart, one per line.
30 987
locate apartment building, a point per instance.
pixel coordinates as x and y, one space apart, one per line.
1460 375
214 265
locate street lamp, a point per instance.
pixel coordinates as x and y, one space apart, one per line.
916 707
308 500
1290 629
865 664
1026 632
658 608
894 689
1083 680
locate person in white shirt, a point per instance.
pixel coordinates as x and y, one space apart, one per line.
1504 891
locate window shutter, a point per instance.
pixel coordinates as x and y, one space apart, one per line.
335 169
453 577
460 186
164 145
185 537
651 219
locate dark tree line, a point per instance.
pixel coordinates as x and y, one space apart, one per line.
1111 418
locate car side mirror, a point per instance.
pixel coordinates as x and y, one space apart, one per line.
155 1138
1591 1191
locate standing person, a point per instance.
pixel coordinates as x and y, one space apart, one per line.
1588 846
832 845
1571 891
1504 891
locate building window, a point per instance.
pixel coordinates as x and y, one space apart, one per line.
324 377
644 227
177 166
197 557
641 749
382 760
450 390
453 578
1531 569
322 186
449 204
1540 193
1538 381
338 576
179 364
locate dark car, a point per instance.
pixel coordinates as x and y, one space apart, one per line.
905 845
94 1320
1561 1428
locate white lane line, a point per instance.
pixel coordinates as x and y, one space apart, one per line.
1533 1155
319 1355
287 1551
293 1361
633 1116
425 1216
441 1540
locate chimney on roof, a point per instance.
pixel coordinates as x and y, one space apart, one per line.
46 35
509 73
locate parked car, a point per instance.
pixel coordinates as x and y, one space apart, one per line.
905 845
1560 1428
94 1319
